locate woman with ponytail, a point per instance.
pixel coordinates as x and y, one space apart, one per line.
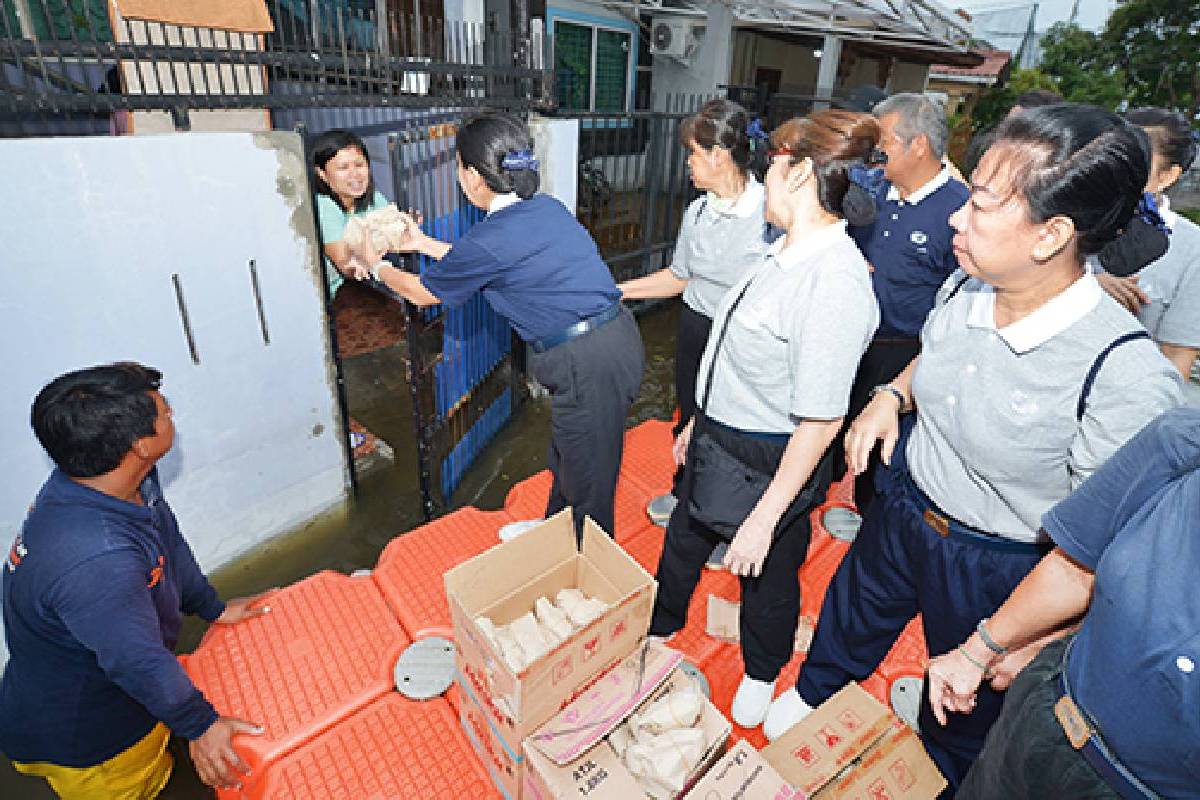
773 386
721 236
538 268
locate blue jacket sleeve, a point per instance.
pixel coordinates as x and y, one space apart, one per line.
1085 522
466 269
105 605
197 595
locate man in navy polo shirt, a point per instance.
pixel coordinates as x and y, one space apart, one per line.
94 589
908 246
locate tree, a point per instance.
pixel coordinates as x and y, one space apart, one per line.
1157 44
995 103
1083 66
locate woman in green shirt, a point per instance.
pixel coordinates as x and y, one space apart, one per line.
345 188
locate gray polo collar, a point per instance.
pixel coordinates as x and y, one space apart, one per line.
1055 316
804 250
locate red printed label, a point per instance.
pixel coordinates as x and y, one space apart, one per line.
806 755
562 669
878 791
850 720
830 737
591 647
902 775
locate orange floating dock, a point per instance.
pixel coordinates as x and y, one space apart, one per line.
317 672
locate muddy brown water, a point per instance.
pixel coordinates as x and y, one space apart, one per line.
351 535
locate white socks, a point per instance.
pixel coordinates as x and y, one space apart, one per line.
785 711
751 701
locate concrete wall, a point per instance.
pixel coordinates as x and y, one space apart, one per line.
707 68
91 254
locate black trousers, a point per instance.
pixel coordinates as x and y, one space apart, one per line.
770 602
881 363
1026 753
690 342
592 380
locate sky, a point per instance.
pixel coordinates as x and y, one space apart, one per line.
1003 22
1092 13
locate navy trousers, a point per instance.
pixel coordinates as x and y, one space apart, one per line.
592 380
898 567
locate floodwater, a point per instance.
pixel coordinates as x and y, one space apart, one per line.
351 536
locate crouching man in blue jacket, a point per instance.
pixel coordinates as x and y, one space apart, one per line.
94 589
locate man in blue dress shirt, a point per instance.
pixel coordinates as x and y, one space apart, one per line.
94 591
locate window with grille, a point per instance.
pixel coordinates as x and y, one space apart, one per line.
591 67
85 20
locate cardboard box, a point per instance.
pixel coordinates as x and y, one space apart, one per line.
742 774
569 757
500 707
723 622
853 746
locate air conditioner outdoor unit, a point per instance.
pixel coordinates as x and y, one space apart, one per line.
675 37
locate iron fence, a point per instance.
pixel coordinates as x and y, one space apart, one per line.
632 183
67 62
462 373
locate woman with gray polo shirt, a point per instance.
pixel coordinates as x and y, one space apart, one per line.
785 345
1029 378
1165 295
722 236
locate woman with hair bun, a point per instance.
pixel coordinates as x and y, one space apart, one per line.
1165 295
721 236
538 268
773 387
1028 379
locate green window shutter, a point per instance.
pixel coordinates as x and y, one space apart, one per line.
612 70
85 20
573 65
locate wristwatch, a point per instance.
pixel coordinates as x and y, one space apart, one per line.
896 393
375 270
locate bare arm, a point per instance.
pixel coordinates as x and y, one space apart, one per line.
1050 598
879 422
345 261
807 444
407 285
1182 357
663 283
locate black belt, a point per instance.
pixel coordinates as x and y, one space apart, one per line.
1110 769
947 526
576 330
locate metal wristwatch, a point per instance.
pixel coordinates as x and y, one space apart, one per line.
896 393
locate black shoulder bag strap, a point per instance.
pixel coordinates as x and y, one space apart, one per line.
712 366
1098 363
954 291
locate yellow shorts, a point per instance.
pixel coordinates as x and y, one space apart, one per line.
138 773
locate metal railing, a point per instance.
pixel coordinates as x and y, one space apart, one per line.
61 63
632 183
462 374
